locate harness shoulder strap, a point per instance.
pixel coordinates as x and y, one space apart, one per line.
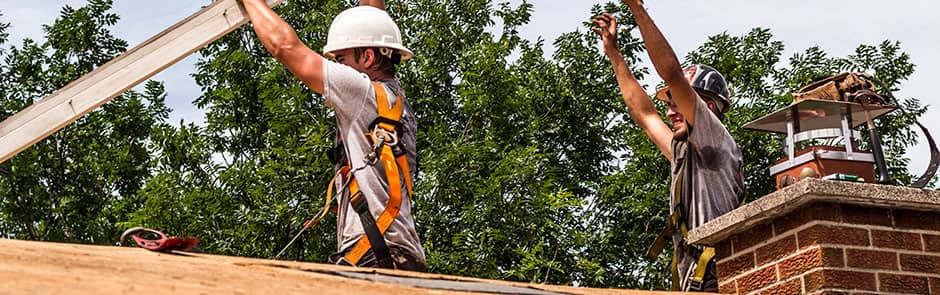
390 119
392 112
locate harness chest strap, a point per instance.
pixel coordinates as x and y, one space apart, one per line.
393 166
389 120
393 114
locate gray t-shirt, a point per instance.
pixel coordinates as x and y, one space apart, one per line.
352 97
715 183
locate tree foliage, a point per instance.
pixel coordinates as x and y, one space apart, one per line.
529 167
78 183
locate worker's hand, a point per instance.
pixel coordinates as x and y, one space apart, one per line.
607 29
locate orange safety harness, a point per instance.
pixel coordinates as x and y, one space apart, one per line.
384 133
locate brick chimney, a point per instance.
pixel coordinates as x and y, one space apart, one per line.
827 237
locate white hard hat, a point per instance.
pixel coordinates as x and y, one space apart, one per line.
364 26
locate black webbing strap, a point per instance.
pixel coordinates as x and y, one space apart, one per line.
379 248
934 152
934 160
660 243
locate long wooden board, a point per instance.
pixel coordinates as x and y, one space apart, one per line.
106 82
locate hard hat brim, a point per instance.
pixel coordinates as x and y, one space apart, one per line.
662 95
725 104
405 52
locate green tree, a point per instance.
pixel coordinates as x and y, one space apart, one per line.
529 168
79 182
248 179
635 200
507 176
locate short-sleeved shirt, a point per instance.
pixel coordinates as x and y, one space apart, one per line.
712 162
351 94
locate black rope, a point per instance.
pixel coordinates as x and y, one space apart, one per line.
934 152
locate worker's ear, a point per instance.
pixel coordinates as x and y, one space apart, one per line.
368 57
712 106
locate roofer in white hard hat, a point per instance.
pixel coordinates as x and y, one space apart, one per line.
375 144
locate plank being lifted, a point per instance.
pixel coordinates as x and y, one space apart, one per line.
106 82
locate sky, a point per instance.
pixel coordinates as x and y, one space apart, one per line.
838 27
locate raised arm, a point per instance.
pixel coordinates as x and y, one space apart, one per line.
380 4
638 102
281 40
665 61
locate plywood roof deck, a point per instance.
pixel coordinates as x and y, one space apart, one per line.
28 267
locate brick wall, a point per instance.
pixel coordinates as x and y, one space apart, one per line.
827 248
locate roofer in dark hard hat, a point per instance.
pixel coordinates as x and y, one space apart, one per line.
706 162
376 126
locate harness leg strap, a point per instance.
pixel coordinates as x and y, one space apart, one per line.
391 209
379 248
697 281
659 244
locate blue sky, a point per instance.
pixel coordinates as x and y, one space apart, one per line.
836 26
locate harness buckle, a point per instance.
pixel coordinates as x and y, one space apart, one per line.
694 285
343 261
381 137
697 273
389 137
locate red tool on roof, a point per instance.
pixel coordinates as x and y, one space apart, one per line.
158 241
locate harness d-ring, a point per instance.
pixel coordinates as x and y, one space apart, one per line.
391 136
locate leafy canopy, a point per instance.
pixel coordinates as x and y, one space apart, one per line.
529 167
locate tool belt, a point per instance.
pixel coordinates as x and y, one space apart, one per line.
337 153
848 87
860 88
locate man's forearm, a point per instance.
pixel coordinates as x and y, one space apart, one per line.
661 54
665 62
625 78
380 4
273 31
638 103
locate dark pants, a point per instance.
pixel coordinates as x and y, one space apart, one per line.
402 259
